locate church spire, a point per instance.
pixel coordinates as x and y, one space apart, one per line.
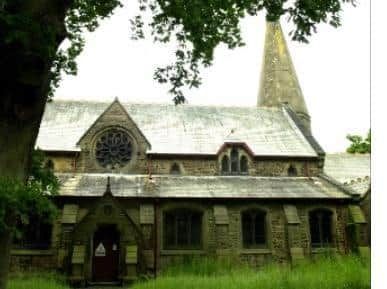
279 84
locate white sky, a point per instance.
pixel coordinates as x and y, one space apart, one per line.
333 70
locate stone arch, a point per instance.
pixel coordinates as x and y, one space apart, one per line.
106 211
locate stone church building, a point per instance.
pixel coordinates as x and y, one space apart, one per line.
144 185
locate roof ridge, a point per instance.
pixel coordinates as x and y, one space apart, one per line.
125 102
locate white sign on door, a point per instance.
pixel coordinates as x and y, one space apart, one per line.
100 251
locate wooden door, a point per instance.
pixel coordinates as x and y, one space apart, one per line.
105 254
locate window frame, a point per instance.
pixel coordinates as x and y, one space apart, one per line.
254 244
245 172
176 245
321 243
223 159
233 156
234 161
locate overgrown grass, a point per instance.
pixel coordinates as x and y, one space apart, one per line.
348 272
37 280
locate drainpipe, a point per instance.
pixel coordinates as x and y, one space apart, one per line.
156 249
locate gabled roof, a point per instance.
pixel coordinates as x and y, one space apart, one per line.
106 111
167 186
183 129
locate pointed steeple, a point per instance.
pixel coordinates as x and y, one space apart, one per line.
279 84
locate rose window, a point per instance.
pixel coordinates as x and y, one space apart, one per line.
113 149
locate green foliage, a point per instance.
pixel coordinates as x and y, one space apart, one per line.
198 26
348 272
18 199
358 144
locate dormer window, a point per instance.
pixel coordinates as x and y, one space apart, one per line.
234 162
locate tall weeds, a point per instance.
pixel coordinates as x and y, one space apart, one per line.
348 272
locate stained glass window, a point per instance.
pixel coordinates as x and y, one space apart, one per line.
113 149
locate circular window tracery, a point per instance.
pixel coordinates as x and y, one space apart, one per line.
113 149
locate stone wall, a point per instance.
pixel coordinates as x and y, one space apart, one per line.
221 235
86 163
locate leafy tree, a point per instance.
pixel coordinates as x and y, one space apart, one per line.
358 144
18 199
31 61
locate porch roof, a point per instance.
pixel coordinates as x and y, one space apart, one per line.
167 186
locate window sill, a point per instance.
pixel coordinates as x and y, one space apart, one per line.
224 174
256 251
31 252
182 252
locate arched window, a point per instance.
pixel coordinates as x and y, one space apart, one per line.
182 229
254 228
234 160
292 171
175 169
320 222
243 164
225 165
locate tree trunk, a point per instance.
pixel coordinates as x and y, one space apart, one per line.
5 250
23 95
20 117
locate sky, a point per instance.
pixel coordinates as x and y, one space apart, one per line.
333 71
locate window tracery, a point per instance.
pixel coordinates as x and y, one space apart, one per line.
234 162
113 149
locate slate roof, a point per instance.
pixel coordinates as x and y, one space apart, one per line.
352 170
183 129
166 186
